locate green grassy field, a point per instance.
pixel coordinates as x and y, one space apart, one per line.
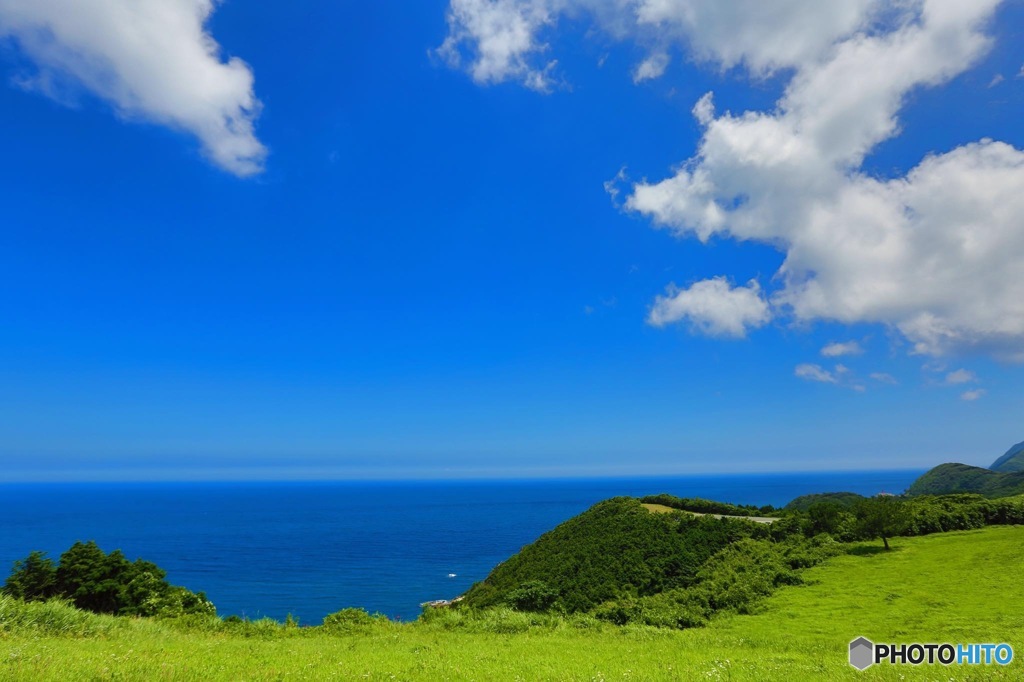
955 587
659 508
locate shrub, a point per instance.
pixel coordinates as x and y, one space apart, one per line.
351 620
534 595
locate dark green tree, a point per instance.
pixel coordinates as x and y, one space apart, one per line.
824 517
34 578
92 579
883 517
104 583
533 595
144 590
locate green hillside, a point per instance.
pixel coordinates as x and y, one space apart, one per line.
1005 477
959 587
1010 462
963 478
804 502
616 548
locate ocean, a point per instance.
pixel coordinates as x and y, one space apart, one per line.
311 548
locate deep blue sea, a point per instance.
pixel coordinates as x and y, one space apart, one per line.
308 549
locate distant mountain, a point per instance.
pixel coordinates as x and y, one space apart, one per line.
1012 461
963 478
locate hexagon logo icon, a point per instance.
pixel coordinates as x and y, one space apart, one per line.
862 653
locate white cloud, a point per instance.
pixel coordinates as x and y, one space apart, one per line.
933 254
612 186
152 59
961 376
505 40
704 109
501 39
835 350
971 396
651 68
713 307
840 375
762 36
818 373
883 378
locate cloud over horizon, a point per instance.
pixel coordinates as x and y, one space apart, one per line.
153 60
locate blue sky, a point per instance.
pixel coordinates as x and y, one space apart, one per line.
508 237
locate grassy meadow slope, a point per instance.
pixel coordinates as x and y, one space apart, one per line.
961 586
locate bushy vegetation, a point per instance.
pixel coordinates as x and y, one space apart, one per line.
351 620
93 580
735 579
615 549
908 516
942 513
843 500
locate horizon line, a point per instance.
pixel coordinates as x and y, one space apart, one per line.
467 478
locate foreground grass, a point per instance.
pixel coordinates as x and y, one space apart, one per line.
951 587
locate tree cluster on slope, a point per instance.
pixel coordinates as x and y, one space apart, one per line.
99 582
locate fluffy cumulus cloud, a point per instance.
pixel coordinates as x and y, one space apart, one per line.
498 40
151 59
713 307
931 254
971 396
